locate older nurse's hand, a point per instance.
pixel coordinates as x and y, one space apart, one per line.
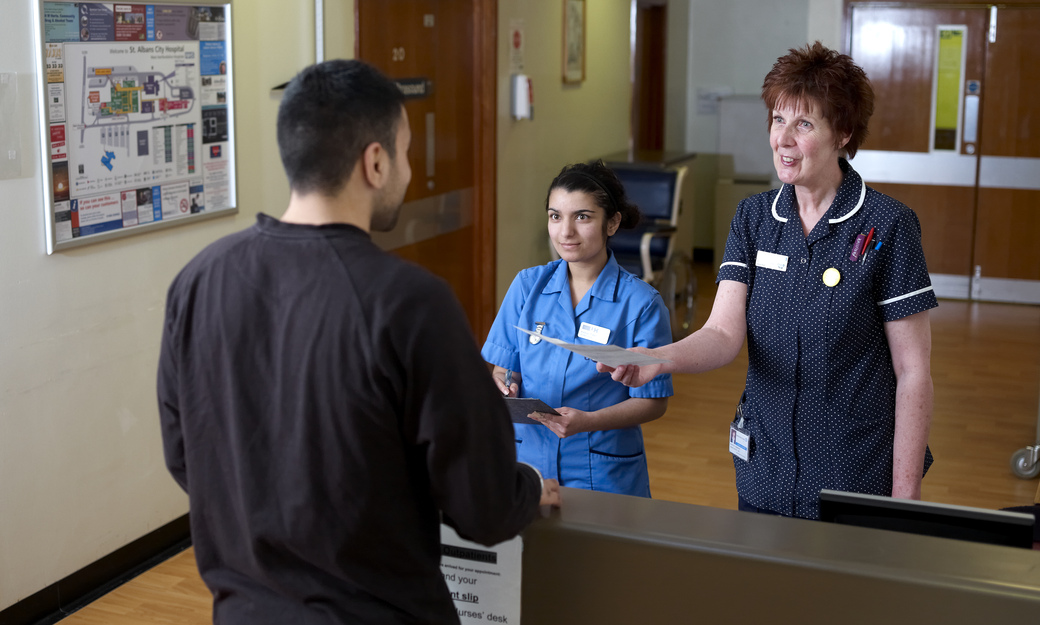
632 375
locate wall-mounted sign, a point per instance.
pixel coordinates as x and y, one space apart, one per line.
138 117
414 88
516 46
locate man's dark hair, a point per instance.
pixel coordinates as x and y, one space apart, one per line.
330 113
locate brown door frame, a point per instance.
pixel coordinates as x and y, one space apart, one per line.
485 51
648 89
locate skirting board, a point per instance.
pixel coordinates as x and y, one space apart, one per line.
67 595
984 289
1005 290
951 286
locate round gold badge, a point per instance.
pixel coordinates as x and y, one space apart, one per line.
831 277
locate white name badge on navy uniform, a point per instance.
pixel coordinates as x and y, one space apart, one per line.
739 438
593 333
739 441
770 260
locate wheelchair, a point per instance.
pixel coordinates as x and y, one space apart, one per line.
648 250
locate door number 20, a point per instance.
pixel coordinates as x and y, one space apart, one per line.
397 54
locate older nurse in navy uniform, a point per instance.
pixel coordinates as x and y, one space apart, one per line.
826 279
584 297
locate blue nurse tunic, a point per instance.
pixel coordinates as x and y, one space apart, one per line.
633 314
821 389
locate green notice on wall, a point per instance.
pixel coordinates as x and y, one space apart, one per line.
948 87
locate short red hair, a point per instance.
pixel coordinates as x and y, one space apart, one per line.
828 82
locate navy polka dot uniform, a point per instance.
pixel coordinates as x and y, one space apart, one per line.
821 391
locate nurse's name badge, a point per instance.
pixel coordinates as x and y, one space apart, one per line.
831 277
539 326
769 260
596 334
739 442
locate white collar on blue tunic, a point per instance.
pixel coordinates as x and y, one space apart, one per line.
850 178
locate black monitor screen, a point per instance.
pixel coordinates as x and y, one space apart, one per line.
995 527
652 190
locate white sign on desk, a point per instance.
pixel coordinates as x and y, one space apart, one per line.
484 581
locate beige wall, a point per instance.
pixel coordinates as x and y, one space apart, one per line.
81 468
571 122
677 52
338 31
825 22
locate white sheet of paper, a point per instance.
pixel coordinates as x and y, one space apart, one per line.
610 355
484 582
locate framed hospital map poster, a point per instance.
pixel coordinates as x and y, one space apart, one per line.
137 116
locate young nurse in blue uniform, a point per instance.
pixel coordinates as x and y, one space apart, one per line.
839 388
586 298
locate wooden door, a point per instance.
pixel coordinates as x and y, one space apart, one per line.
909 153
442 55
975 183
1007 250
648 93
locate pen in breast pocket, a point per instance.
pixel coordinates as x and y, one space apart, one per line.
508 377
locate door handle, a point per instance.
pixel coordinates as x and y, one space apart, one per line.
431 149
971 122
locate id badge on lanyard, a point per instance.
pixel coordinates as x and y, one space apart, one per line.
739 437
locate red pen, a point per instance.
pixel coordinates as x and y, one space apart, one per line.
870 235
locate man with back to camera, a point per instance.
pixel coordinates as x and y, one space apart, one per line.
303 399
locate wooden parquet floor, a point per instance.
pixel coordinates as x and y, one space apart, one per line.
986 370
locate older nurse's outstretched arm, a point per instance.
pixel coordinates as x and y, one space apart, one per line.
910 341
713 346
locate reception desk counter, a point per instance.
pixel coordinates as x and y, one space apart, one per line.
608 559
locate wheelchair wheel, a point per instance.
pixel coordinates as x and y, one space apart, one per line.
1024 463
678 288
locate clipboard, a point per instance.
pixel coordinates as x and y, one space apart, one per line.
520 407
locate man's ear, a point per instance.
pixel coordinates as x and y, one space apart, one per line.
375 165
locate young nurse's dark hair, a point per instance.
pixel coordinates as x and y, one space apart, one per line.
602 184
329 114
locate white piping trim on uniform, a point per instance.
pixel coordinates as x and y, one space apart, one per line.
896 299
744 265
862 195
776 216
